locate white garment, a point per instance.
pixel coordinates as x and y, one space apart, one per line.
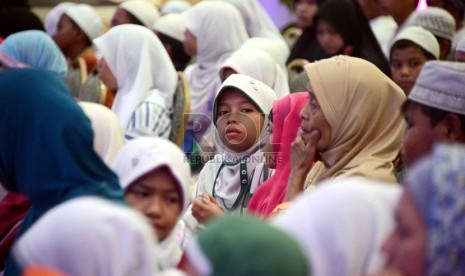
87 18
383 28
142 68
169 251
258 22
175 6
387 47
172 25
90 236
219 30
108 136
261 66
342 225
269 46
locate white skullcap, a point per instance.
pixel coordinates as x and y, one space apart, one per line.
461 45
175 6
436 20
87 18
54 15
143 10
441 85
172 25
423 38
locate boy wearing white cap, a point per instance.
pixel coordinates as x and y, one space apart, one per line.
412 48
435 109
441 24
139 12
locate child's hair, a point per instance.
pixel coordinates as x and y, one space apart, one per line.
134 19
179 56
405 43
435 115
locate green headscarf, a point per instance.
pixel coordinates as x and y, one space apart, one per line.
233 245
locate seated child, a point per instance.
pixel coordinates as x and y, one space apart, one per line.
155 179
411 49
228 181
435 109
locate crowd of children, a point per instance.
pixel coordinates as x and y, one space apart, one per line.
170 140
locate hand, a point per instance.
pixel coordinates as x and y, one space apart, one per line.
302 158
205 208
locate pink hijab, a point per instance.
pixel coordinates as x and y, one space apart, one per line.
286 123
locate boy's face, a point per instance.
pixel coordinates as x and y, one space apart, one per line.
330 40
305 10
239 122
157 196
405 247
420 135
406 65
65 36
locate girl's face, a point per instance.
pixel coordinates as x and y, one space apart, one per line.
406 246
331 41
406 65
106 75
313 119
157 196
305 11
239 122
120 17
190 43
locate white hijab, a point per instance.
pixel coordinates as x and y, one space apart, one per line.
143 155
90 236
261 66
143 10
258 22
142 67
108 136
219 30
342 225
269 46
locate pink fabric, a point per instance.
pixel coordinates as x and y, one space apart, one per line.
286 123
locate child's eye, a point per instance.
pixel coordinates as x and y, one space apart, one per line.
140 194
222 112
172 200
246 110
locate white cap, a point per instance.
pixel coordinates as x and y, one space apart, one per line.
436 20
175 6
143 10
172 25
145 154
423 38
54 15
461 45
87 18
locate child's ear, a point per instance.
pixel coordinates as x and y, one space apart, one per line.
454 126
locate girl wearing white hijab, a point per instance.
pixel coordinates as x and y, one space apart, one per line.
95 238
108 136
342 225
214 31
136 65
240 115
155 178
258 65
258 22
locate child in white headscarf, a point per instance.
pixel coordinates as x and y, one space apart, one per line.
155 179
136 65
214 31
240 116
90 236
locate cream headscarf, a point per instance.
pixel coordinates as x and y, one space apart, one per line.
142 67
219 30
108 136
342 225
261 66
362 106
89 236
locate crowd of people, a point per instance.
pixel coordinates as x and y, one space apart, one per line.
199 139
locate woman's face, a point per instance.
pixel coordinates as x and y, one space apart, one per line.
106 75
406 246
330 40
313 119
305 11
190 43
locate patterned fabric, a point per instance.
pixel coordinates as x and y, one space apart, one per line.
149 119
